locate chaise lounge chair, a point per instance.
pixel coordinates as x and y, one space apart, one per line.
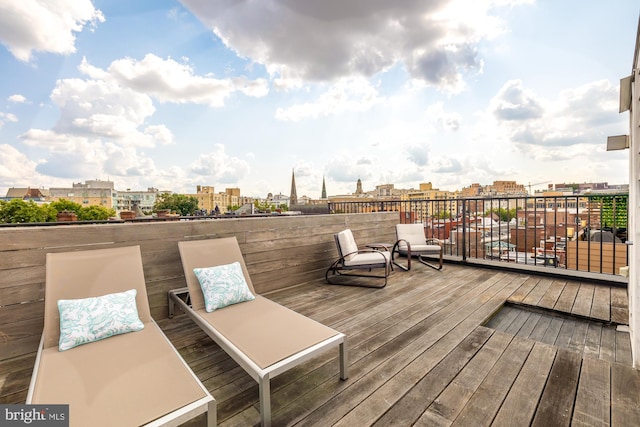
355 262
263 337
129 379
411 242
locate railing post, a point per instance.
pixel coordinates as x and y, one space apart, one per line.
464 230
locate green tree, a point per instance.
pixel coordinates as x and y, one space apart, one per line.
179 203
20 211
505 214
92 213
443 215
67 205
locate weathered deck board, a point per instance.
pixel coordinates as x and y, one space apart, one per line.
593 400
419 354
520 404
556 404
619 306
584 300
488 398
588 338
601 307
550 298
567 297
625 396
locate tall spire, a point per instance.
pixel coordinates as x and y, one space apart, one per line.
293 197
324 189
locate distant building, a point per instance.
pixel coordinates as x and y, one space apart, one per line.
217 203
324 190
600 187
293 196
498 188
446 204
129 199
35 194
91 193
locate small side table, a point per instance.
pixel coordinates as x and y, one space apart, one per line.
380 246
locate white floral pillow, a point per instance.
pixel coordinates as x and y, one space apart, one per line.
91 319
223 285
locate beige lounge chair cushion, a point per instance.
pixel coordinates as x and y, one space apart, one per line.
265 331
119 381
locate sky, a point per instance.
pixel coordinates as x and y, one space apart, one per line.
241 93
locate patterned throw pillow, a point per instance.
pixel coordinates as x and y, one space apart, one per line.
91 319
223 285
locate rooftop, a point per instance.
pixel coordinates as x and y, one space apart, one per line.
464 346
432 348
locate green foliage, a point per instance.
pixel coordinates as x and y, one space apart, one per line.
269 207
263 206
67 205
613 210
92 213
178 203
443 215
20 211
505 214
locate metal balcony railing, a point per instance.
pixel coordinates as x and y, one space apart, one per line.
577 232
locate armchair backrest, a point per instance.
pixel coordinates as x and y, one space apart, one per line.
412 233
346 244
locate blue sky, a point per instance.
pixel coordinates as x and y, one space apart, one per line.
173 94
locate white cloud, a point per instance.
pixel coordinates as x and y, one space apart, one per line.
448 165
348 95
16 169
44 25
579 116
344 168
170 81
17 99
7 117
102 109
327 40
449 121
218 166
418 154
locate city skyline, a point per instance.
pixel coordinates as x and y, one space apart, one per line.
172 94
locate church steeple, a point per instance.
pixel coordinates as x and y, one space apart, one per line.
359 187
324 190
293 197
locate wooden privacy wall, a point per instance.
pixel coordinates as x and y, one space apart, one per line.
279 251
604 257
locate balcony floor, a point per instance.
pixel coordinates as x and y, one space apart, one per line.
433 348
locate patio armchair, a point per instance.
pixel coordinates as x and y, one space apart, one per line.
360 263
411 242
102 353
263 337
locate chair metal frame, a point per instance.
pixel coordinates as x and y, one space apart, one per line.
420 255
341 267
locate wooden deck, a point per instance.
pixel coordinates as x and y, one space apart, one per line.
433 348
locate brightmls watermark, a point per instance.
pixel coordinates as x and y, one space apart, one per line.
34 415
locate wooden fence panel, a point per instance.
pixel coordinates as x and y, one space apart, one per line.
579 257
279 251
